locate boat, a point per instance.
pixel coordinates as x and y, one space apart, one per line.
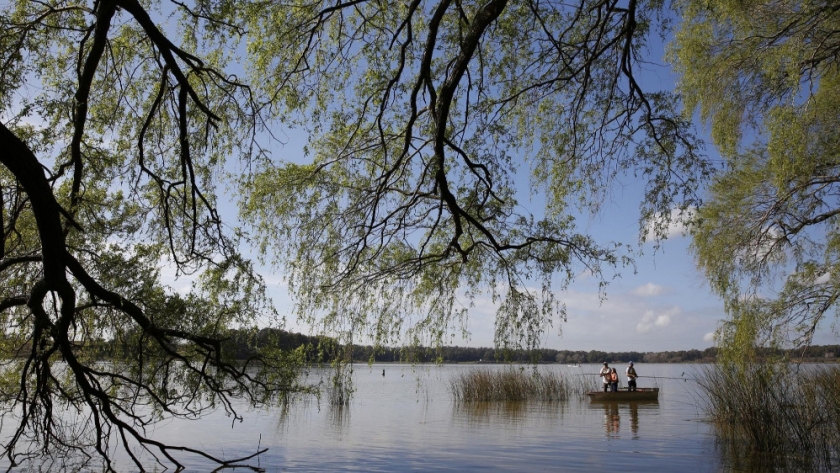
623 395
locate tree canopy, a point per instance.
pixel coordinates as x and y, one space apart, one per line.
765 76
125 124
113 138
430 122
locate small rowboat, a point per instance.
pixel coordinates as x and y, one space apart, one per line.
623 395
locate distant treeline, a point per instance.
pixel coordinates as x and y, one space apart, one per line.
244 344
545 355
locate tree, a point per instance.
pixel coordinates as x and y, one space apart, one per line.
765 76
422 116
120 136
112 139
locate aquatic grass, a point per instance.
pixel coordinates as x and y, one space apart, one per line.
514 385
781 415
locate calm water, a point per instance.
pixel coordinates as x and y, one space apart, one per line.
406 420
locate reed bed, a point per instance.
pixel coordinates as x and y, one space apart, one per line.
514 385
776 416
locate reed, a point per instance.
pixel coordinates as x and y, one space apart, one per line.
775 415
514 385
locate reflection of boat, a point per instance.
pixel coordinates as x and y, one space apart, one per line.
640 394
613 411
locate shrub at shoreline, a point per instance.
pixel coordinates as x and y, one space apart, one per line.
515 385
775 415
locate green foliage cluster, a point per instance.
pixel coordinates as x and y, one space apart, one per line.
764 75
115 135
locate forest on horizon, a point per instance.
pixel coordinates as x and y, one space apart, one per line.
245 345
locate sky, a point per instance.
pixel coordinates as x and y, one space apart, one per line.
661 304
664 304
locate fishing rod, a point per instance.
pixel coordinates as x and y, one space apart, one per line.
684 378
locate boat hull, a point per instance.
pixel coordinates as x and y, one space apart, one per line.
641 394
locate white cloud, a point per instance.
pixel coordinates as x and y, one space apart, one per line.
677 226
648 290
823 279
709 337
651 320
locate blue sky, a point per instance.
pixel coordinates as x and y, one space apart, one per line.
664 305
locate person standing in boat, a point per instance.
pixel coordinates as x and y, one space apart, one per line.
631 377
605 375
613 380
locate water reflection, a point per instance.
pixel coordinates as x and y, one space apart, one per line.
339 417
612 420
613 412
739 455
507 413
483 412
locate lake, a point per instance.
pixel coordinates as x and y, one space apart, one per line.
407 420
